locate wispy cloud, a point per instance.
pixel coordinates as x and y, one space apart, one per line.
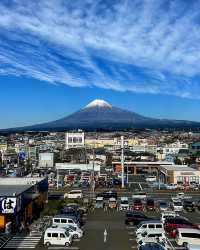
145 46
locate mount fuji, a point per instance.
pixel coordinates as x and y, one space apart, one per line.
99 114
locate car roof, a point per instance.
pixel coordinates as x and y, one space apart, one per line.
65 216
99 198
76 190
55 229
124 198
188 230
151 222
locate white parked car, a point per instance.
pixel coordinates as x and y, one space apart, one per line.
75 232
151 237
148 226
74 194
168 214
62 220
124 203
151 178
57 236
186 236
177 205
139 195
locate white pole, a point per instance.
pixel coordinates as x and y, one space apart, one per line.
122 159
57 178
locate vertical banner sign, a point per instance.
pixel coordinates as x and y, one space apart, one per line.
8 205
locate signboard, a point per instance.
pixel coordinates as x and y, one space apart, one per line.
187 173
8 205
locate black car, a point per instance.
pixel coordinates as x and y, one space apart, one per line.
134 218
108 195
188 205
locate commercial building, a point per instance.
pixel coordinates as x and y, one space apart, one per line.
179 174
46 160
21 200
74 140
82 167
137 167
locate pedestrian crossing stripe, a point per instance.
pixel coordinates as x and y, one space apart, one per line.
22 242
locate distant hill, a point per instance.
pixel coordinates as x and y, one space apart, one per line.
99 114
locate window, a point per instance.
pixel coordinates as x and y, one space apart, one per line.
151 226
49 235
159 226
63 221
62 236
144 226
55 235
57 220
70 221
154 235
191 235
70 139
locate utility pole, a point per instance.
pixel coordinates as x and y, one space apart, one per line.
93 152
122 159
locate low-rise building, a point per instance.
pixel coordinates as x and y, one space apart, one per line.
179 174
21 200
74 140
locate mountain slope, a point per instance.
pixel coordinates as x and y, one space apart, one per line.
101 115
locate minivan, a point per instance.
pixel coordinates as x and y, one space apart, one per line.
63 220
185 236
151 236
57 236
146 226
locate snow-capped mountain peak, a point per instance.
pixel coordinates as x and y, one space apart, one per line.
98 103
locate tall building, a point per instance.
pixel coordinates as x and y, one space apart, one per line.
75 140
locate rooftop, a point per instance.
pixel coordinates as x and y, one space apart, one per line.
13 190
178 168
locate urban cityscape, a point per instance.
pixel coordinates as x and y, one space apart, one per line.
100 125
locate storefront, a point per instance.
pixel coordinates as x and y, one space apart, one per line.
21 201
179 174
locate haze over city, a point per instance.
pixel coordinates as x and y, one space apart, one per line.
137 55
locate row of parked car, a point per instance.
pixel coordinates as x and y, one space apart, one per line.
158 230
66 226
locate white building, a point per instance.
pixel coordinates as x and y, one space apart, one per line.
75 140
46 160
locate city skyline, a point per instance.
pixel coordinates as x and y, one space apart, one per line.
138 55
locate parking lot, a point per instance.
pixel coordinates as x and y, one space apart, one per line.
118 235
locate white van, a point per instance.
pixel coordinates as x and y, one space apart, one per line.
168 214
147 226
151 237
63 220
57 236
151 178
187 236
124 204
177 205
74 194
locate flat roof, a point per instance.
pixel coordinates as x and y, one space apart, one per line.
13 190
178 168
145 162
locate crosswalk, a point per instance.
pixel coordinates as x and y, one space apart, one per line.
18 242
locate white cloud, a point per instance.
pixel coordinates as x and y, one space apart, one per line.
146 46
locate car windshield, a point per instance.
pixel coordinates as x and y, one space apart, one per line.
124 202
67 233
163 204
177 204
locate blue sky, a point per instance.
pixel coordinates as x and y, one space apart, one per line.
141 55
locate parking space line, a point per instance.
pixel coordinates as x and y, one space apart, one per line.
63 247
